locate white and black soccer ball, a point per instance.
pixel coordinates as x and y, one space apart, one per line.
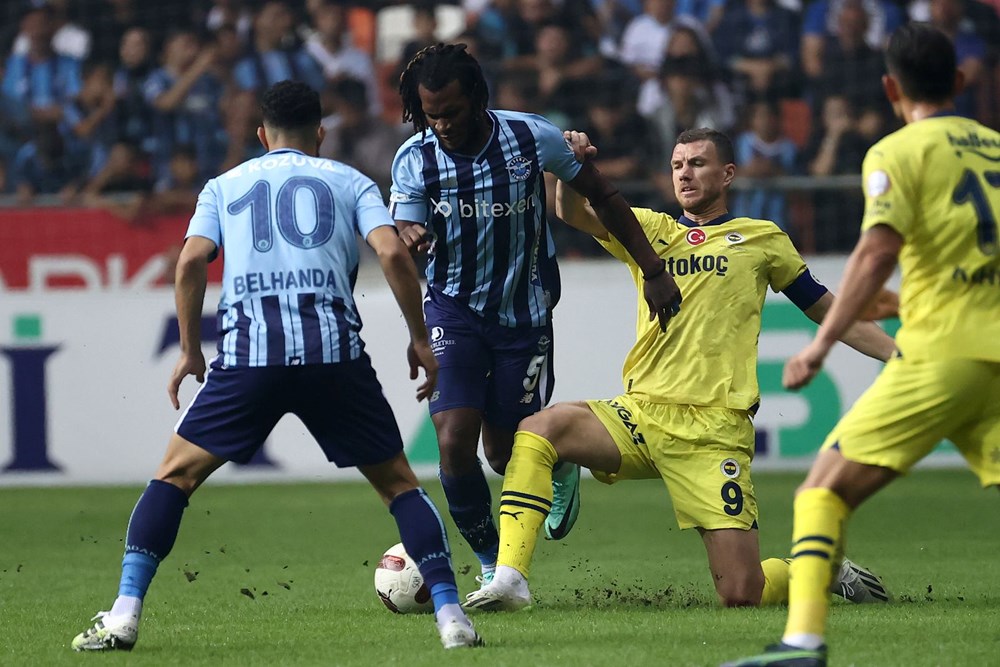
399 584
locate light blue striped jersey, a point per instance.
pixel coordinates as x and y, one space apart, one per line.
288 223
493 250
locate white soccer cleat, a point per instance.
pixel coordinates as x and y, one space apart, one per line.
108 634
859 585
457 633
508 591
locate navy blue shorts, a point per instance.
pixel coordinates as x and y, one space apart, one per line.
504 372
341 404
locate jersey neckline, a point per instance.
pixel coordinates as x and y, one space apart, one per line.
688 222
494 132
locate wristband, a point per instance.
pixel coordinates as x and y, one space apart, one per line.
656 272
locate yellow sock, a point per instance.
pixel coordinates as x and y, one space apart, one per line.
817 548
526 499
776 571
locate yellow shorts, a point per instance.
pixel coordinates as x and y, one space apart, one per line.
702 454
913 405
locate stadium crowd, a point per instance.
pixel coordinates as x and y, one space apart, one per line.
154 98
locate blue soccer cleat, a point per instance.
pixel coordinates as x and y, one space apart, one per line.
783 655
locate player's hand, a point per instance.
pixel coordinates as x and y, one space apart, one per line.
192 363
803 367
416 238
883 306
419 355
663 297
579 143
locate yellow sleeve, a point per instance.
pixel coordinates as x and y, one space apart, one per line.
888 190
648 220
785 264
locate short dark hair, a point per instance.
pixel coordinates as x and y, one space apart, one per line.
352 92
291 105
723 144
922 59
434 68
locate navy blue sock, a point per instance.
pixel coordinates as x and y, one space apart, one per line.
469 504
426 541
152 530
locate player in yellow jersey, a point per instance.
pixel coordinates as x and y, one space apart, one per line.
690 391
932 199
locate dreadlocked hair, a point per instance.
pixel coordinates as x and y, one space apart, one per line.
434 67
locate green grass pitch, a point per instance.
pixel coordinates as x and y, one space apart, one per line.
626 588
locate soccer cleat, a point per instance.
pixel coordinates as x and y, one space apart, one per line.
485 579
565 501
859 585
458 634
497 596
783 655
108 634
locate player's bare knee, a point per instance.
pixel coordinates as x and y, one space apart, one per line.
740 590
551 424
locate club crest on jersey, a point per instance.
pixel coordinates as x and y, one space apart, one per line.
519 168
696 236
437 333
730 468
734 238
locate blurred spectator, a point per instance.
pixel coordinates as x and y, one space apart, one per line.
68 39
688 93
970 51
38 84
629 146
44 166
493 24
231 13
822 21
612 17
708 13
849 66
424 34
644 43
835 148
565 75
517 90
759 42
357 138
530 18
331 47
185 98
135 115
177 191
109 20
274 55
762 152
89 124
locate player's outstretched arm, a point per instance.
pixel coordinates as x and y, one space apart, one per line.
884 306
867 269
189 285
401 274
614 213
576 212
864 336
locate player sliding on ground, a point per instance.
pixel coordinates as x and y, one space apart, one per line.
690 392
932 201
288 342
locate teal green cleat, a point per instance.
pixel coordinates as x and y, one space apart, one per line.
565 501
783 655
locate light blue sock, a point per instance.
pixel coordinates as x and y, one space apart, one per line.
137 572
444 593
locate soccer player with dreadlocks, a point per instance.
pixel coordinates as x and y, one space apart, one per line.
471 193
